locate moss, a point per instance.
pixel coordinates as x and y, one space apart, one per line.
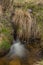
5 45
6 30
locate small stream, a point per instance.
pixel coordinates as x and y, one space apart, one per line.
17 55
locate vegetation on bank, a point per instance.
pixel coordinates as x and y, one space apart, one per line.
6 29
35 10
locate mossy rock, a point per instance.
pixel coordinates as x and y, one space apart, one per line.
5 35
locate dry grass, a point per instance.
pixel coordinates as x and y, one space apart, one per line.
28 1
22 22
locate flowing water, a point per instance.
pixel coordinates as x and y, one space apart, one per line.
16 56
19 55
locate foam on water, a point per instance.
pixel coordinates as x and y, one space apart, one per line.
17 49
